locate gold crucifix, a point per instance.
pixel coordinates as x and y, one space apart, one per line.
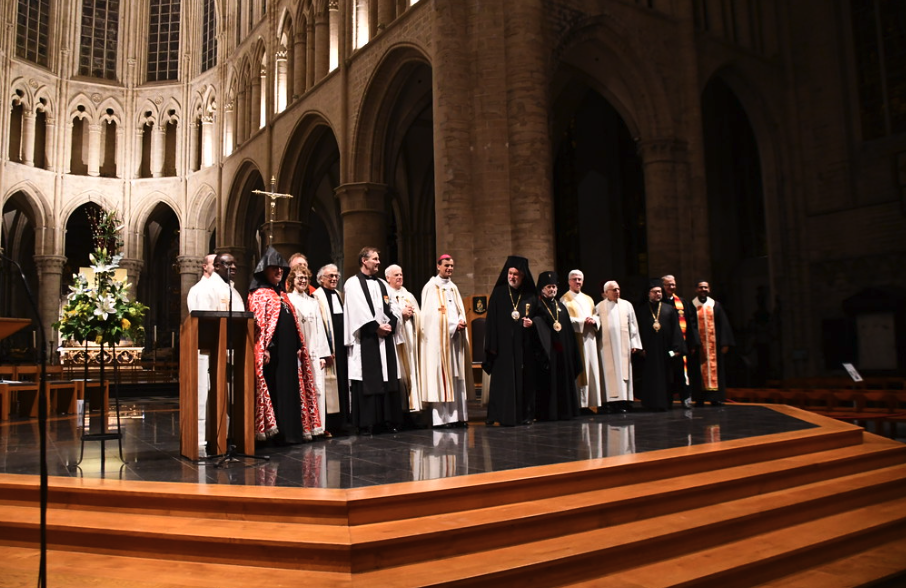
273 208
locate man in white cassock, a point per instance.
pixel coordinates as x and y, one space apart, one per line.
619 340
586 325
446 364
410 328
212 293
207 268
371 334
336 381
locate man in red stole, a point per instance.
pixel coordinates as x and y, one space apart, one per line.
685 312
716 339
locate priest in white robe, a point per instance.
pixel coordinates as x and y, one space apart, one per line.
446 364
407 351
585 324
336 382
619 340
371 334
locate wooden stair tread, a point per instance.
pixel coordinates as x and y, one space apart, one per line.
66 569
732 560
621 542
749 477
874 564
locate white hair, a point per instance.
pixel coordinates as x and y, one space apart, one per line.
324 269
390 268
610 284
575 273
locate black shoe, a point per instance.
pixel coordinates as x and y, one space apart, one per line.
716 403
586 412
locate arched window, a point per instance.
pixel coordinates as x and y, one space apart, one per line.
32 26
163 40
209 36
99 35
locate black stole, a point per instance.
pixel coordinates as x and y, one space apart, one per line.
372 376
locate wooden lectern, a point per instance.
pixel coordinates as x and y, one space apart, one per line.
207 330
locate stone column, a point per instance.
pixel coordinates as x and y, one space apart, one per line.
94 150
362 208
660 165
133 269
67 148
120 151
255 106
309 55
455 199
158 143
28 137
189 274
300 63
527 88
385 13
50 271
289 237
322 45
207 141
50 136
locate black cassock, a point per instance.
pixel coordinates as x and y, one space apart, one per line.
508 356
656 368
557 365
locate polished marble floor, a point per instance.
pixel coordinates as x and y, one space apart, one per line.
151 447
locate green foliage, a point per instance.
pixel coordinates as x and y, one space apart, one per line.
102 312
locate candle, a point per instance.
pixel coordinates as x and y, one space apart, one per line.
172 338
34 339
154 340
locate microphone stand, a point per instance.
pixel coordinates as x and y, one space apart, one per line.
42 426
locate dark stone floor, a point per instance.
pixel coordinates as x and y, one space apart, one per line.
151 447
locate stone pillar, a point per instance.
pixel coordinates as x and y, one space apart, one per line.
363 210
289 237
133 269
50 271
373 18
28 137
189 274
528 131
67 148
300 63
241 115
455 200
207 141
50 135
120 151
309 54
94 150
333 17
660 165
158 143
385 13
255 106
322 46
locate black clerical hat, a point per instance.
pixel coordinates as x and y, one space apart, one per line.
547 278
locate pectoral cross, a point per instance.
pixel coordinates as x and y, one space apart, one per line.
273 208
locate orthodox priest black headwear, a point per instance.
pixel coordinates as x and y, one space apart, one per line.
546 279
521 264
270 258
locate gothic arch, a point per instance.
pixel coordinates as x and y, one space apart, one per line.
203 212
143 211
599 50
32 202
379 100
87 112
241 211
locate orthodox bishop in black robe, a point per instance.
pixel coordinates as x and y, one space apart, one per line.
662 342
508 345
558 364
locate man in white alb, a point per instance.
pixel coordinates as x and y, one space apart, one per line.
207 268
619 340
410 328
445 355
585 325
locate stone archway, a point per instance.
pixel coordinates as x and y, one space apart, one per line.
160 287
599 192
17 241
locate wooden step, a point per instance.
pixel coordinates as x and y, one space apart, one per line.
633 544
769 556
332 547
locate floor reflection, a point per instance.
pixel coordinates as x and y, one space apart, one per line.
151 447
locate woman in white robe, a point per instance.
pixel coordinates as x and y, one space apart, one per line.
308 311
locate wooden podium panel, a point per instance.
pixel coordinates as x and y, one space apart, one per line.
208 331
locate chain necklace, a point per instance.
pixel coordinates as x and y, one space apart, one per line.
657 323
515 313
557 325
